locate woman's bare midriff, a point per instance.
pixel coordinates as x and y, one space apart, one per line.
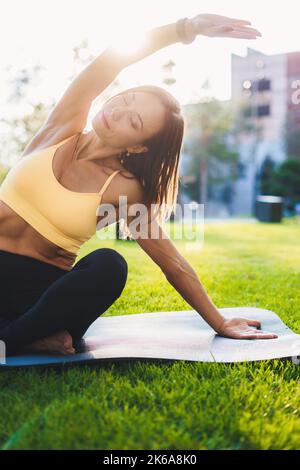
17 236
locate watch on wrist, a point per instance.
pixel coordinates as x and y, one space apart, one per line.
184 36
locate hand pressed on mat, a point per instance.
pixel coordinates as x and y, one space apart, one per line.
239 328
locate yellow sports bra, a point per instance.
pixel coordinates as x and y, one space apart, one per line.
66 218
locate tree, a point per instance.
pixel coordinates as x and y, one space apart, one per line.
208 125
30 111
167 69
286 179
27 116
267 175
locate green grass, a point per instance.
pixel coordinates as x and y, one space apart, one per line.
174 405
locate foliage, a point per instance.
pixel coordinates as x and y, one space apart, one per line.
287 179
283 180
214 160
28 113
267 175
22 126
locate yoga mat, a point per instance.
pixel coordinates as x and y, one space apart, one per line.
179 335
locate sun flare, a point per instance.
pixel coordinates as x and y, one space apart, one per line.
129 41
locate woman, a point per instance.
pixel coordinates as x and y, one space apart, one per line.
49 199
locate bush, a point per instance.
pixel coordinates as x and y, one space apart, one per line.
285 181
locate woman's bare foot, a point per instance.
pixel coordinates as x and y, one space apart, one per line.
60 342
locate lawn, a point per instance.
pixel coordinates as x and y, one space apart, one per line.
174 405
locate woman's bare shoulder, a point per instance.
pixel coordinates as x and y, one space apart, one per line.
130 186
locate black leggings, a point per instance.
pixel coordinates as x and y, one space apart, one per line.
39 299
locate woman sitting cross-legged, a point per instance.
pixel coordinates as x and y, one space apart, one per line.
49 201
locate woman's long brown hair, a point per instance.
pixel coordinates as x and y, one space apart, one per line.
158 169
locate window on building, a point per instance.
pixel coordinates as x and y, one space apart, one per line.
263 110
264 84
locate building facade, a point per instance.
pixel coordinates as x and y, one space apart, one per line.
264 93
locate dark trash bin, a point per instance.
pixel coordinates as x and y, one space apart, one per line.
269 208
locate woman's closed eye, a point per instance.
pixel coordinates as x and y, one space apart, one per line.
134 127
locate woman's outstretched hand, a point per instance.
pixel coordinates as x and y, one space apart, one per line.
221 26
239 328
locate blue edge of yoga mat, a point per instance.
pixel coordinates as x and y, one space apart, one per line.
174 335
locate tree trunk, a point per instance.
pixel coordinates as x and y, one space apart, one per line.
203 181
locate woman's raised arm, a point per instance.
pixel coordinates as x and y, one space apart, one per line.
71 111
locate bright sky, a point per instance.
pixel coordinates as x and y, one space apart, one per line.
45 31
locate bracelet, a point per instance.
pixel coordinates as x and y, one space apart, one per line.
181 31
